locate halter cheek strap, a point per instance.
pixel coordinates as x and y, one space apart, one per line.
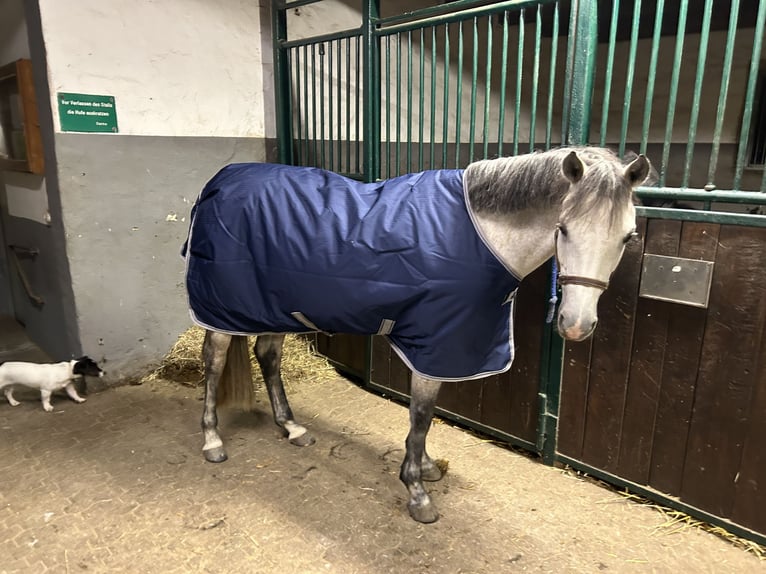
576 279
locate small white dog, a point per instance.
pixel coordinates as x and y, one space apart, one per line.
47 377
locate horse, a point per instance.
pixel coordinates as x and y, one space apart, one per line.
429 260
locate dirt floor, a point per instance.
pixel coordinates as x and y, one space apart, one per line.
118 484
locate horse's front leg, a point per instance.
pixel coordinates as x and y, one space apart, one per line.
214 351
417 465
268 351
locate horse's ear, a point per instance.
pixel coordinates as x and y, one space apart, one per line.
637 171
572 167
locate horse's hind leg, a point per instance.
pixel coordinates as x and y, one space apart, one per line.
214 351
417 465
268 351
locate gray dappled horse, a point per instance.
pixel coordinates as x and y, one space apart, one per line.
429 260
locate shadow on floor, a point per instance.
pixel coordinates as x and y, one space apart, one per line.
15 345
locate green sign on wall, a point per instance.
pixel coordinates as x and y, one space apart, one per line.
87 113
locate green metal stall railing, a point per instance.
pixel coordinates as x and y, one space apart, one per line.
442 86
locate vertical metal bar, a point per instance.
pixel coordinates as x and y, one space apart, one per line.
305 158
552 76
433 95
321 105
283 97
752 82
397 151
330 106
570 65
652 75
487 88
474 75
445 115
519 78
339 88
409 101
584 65
299 110
723 94
388 106
421 102
609 71
695 111
348 105
535 80
503 85
673 94
629 76
370 15
314 104
358 132
459 95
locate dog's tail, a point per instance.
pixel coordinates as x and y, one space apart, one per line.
235 387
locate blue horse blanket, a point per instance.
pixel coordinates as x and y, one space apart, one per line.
282 249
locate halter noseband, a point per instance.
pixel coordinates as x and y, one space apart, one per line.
575 279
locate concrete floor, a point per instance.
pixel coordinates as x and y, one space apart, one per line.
118 484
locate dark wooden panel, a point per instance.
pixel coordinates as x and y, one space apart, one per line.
510 401
749 492
727 375
573 401
463 398
380 364
610 360
686 326
349 351
661 237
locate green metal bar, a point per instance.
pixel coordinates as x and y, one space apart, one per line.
695 111
552 76
282 90
665 500
445 115
313 40
723 94
330 106
370 15
339 87
299 111
421 99
321 106
722 217
474 79
314 104
409 102
358 136
397 151
585 13
503 86
388 106
570 64
609 72
348 104
673 95
305 158
425 13
459 97
519 74
718 196
747 113
629 76
652 75
487 89
453 16
433 96
535 80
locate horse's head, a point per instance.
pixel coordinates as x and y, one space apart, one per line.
597 220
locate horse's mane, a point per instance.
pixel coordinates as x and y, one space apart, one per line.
536 181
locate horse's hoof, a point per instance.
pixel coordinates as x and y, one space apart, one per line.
426 513
303 440
216 454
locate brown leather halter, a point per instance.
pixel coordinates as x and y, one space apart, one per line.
575 279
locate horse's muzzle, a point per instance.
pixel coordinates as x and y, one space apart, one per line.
575 331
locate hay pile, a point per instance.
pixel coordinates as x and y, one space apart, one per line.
183 364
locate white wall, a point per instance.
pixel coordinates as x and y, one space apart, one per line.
175 68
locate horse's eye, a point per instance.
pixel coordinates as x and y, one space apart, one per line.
630 236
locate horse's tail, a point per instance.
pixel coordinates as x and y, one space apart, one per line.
235 387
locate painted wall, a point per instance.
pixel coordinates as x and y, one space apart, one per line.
192 86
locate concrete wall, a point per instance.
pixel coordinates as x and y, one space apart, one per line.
192 83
